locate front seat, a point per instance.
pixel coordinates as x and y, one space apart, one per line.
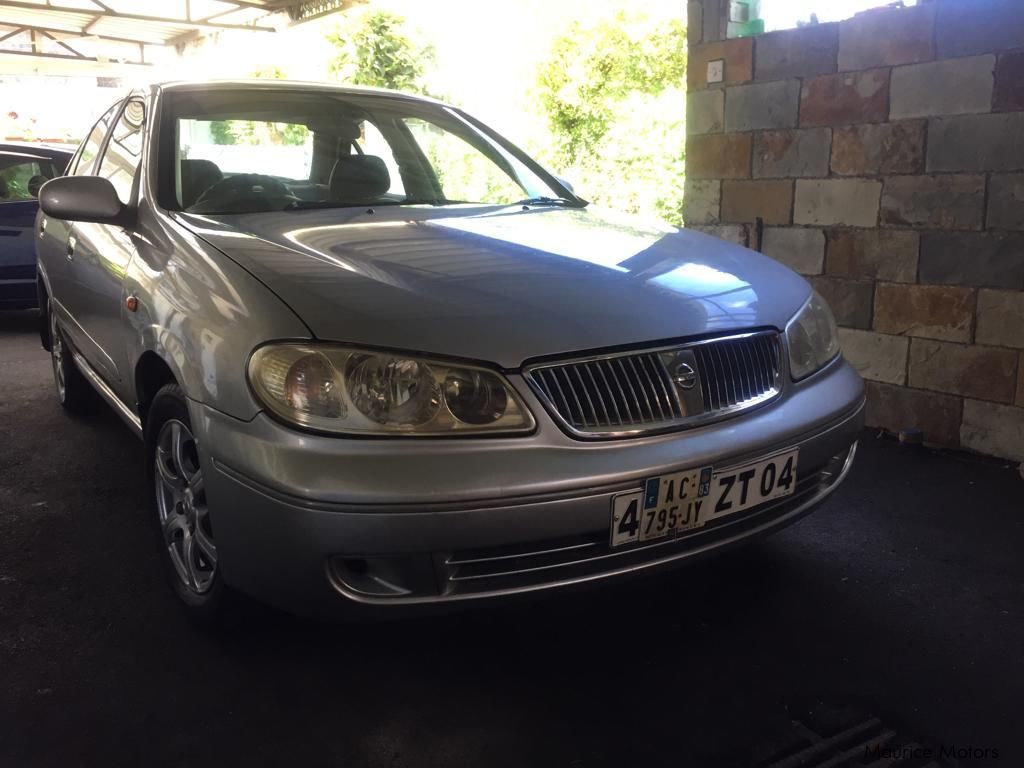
359 179
197 176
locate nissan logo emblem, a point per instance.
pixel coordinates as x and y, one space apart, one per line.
685 376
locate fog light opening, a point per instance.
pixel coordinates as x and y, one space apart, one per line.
355 565
383 577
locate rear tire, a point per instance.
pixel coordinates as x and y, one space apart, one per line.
180 509
73 390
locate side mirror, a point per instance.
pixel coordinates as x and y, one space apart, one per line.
566 183
82 198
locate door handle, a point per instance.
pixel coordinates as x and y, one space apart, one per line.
9 233
72 242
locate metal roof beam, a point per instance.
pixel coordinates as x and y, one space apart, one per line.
99 14
267 7
238 7
67 57
63 45
74 34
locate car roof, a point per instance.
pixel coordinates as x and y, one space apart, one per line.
29 150
291 85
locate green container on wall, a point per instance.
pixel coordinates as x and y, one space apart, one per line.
745 18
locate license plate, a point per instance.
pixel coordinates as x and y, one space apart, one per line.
682 501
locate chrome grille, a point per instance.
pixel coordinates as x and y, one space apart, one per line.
637 392
632 389
735 371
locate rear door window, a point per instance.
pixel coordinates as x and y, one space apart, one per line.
20 179
236 146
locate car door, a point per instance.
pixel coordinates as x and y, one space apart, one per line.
21 175
100 253
54 245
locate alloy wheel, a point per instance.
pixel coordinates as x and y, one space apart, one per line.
181 506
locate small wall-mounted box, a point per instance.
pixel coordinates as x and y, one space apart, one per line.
716 71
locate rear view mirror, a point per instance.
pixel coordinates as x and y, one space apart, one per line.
82 198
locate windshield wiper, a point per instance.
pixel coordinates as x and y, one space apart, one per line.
303 205
541 200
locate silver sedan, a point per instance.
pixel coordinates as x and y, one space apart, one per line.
379 357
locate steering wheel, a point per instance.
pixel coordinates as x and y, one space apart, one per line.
238 192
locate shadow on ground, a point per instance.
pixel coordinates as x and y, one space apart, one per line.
901 598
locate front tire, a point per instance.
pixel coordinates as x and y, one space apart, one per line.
180 505
73 391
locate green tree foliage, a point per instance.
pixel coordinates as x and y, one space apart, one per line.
14 182
270 73
221 132
374 50
251 132
614 96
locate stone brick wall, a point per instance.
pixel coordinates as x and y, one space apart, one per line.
884 156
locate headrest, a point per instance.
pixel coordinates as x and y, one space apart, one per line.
197 176
359 178
349 130
200 169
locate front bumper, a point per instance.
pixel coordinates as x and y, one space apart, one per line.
318 525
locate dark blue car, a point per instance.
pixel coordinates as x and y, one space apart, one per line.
23 170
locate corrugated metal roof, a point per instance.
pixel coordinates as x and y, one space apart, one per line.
71 22
136 20
150 32
107 31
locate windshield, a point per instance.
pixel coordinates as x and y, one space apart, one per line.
243 151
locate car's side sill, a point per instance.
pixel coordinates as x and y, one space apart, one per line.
107 394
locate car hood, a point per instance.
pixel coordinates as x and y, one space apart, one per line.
503 285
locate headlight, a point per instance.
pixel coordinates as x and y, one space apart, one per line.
340 389
813 338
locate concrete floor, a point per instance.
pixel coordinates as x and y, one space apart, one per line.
902 598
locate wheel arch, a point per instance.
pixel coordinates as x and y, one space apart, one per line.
151 373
